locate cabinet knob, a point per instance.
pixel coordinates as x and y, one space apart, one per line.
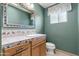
8 47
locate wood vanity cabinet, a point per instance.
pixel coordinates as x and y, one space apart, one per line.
39 46
34 47
18 50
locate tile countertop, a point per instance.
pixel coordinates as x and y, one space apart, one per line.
19 38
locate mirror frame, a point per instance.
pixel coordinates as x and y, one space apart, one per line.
5 19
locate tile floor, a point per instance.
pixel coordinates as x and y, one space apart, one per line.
62 53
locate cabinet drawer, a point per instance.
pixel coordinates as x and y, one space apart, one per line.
22 47
16 49
38 40
9 51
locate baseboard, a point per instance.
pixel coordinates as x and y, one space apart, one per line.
68 53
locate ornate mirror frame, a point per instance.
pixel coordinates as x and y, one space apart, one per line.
5 20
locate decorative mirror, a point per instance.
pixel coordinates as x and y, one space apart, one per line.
18 15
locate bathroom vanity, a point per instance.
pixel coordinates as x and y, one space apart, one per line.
18 37
33 45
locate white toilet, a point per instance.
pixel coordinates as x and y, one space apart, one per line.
50 48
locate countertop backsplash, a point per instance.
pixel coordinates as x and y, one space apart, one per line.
17 32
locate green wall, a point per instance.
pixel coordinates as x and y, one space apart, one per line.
78 29
64 35
39 18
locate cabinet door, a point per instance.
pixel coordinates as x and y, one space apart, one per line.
36 51
43 49
26 52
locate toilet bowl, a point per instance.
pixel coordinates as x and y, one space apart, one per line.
50 48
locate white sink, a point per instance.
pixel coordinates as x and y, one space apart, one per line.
36 35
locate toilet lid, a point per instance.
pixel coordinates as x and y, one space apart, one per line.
50 44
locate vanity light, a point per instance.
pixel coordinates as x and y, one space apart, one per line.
29 6
32 5
15 4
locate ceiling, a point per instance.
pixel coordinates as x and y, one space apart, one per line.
45 5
